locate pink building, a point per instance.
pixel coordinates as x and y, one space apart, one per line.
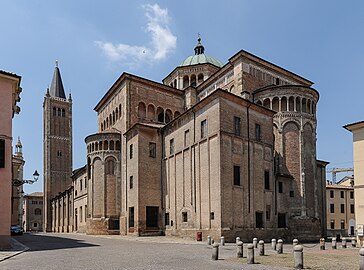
9 96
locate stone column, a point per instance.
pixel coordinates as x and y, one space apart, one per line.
295 242
250 255
239 249
261 248
298 257
274 244
361 259
333 243
280 246
215 251
237 239
322 243
222 240
255 242
209 240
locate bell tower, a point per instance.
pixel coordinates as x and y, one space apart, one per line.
57 140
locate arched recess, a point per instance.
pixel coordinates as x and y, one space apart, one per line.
275 104
92 147
111 145
97 182
106 145
141 110
266 103
298 104
176 114
104 124
117 113
119 110
160 115
175 83
283 104
193 80
313 107
186 81
304 105
100 145
102 127
151 112
113 117
259 102
110 120
309 162
309 106
200 78
291 150
291 104
168 116
110 186
96 146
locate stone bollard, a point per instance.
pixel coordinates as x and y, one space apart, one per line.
343 243
212 241
255 242
250 255
353 242
261 248
209 240
322 243
295 242
215 251
239 249
237 239
222 240
298 257
333 243
361 259
274 244
280 246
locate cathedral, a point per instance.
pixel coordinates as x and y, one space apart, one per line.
215 149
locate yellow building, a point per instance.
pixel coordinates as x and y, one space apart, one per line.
340 208
358 151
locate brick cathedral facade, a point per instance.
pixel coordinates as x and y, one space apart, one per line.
219 149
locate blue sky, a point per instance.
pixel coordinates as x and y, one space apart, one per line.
95 41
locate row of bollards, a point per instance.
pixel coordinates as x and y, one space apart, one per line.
276 245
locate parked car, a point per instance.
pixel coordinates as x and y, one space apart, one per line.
16 230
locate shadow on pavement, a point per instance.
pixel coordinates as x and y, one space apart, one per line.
39 242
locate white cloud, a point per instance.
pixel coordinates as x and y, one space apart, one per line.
163 42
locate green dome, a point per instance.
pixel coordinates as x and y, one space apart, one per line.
200 57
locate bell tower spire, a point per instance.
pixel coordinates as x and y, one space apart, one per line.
57 89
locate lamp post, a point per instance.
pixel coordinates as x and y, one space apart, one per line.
18 183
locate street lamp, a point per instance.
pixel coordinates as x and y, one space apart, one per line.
17 182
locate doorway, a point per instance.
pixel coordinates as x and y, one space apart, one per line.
152 216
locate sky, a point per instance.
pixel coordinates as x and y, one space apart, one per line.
96 41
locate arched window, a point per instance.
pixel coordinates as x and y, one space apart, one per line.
304 105
111 145
259 102
160 115
110 166
110 119
54 111
168 116
266 103
113 117
106 145
96 146
200 78
298 104
151 112
275 106
141 110
175 83
100 145
119 110
291 104
59 111
37 212
102 127
107 122
117 113
63 113
284 104
186 81
88 168
176 114
193 80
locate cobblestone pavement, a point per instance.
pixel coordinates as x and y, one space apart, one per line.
16 248
79 251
